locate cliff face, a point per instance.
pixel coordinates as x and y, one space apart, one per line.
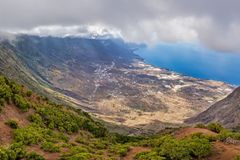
105 77
226 111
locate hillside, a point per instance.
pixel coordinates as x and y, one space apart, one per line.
104 77
34 128
226 112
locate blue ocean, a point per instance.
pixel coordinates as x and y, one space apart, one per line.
194 60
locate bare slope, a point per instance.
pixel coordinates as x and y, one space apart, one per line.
226 111
106 78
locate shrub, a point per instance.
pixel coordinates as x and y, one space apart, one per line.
198 147
50 147
15 151
78 156
119 149
210 138
29 93
64 121
54 117
34 156
224 134
16 89
3 154
21 102
174 150
35 134
5 90
188 148
11 123
237 157
78 153
215 127
29 135
148 156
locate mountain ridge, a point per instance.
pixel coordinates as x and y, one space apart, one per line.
225 112
106 78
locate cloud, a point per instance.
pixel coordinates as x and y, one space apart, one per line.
92 31
213 23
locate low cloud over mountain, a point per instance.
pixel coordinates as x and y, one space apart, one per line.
214 23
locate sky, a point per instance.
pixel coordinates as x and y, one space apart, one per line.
214 24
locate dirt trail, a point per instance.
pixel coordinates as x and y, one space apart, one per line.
189 131
46 155
223 151
134 151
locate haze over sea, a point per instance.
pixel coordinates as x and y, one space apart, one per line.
194 60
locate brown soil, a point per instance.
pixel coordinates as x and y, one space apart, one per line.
11 112
134 151
189 131
46 155
223 151
5 133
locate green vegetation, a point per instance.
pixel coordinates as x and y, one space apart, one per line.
13 152
11 123
167 147
34 134
52 128
237 157
120 149
50 147
56 128
149 156
34 156
215 127
65 120
21 102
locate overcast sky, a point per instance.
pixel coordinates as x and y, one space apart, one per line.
213 23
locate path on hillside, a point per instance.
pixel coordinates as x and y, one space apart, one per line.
134 151
185 132
222 151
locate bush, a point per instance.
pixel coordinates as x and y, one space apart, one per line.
11 123
224 134
50 147
3 154
210 138
34 156
78 153
121 150
29 93
54 117
148 156
174 150
64 121
5 90
215 127
15 151
237 157
78 156
21 102
35 134
188 148
198 147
